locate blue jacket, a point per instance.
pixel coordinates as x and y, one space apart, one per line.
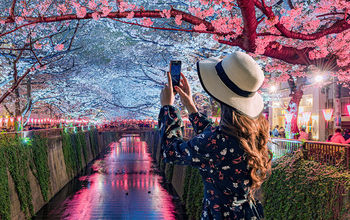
220 159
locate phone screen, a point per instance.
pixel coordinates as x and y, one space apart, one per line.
175 70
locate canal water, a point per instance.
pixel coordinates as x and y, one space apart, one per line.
121 184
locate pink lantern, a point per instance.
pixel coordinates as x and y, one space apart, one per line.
327 113
306 116
289 117
19 118
348 108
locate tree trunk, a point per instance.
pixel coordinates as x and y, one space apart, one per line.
17 103
293 108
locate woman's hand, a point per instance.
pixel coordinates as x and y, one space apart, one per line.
184 91
167 96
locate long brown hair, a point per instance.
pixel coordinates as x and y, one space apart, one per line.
253 135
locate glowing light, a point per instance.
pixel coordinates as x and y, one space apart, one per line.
318 78
348 108
306 116
327 113
273 89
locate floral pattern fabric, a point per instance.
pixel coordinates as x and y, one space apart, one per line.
220 159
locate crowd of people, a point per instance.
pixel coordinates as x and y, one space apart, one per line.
338 137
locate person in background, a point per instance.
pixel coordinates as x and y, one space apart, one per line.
347 134
275 132
329 138
338 137
281 132
303 135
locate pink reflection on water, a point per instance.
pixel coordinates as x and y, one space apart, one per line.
122 187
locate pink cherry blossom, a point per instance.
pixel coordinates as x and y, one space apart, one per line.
37 45
96 16
200 27
166 13
59 47
178 20
92 4
146 22
104 2
81 12
130 15
106 11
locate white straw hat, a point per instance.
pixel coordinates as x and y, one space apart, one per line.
234 81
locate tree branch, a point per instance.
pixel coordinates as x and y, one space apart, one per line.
12 9
250 23
337 27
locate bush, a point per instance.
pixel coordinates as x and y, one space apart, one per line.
302 189
16 156
40 159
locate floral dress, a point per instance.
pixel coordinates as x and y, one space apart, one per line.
220 159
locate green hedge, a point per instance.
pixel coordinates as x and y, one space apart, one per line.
17 155
302 189
94 142
74 145
40 159
193 189
4 187
194 193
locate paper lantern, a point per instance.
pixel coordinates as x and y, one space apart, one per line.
348 108
306 116
289 117
327 113
12 120
19 118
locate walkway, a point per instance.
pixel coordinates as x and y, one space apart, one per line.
121 185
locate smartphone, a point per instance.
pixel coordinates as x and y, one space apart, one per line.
175 71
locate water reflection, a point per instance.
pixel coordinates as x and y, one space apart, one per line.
122 185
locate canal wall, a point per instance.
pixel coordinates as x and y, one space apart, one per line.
296 189
35 168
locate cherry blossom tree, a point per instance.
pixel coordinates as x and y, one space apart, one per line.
289 36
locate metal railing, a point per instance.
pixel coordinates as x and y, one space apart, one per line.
281 146
324 152
328 153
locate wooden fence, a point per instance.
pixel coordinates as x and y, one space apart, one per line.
324 152
329 153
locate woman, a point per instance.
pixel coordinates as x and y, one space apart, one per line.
232 158
303 136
